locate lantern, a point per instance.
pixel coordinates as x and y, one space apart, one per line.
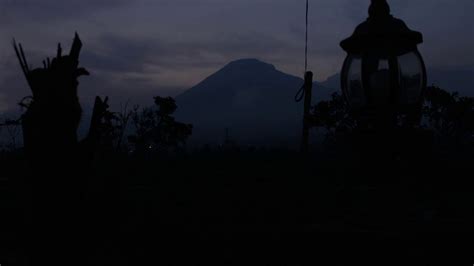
383 72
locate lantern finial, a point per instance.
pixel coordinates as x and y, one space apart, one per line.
379 8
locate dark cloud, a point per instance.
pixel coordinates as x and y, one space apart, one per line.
119 54
42 11
149 47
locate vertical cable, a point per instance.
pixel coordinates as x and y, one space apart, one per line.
301 93
306 39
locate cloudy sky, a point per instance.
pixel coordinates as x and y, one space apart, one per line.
135 49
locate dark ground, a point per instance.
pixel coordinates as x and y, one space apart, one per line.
258 208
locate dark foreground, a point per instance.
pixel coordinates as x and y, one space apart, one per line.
244 208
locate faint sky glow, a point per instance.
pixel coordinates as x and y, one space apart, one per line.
161 47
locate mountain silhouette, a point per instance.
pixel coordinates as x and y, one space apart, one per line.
459 80
251 99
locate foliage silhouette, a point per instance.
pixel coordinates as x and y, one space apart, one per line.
157 130
58 162
333 115
13 128
448 114
52 118
53 112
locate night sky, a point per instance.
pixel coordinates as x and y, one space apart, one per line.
135 49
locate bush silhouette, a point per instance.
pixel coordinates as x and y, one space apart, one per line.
156 128
448 114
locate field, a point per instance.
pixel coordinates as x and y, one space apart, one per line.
205 205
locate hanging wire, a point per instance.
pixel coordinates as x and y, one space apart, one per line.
306 39
300 94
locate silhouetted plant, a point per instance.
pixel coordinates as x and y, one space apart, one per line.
111 128
156 129
122 120
448 114
333 115
13 129
106 126
53 112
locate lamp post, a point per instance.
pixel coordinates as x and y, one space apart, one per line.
383 75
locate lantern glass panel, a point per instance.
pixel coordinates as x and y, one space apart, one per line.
378 72
353 86
411 77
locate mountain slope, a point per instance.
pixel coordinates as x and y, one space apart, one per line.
453 80
250 98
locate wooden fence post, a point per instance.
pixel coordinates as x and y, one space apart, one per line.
308 91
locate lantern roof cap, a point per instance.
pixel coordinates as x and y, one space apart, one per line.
382 33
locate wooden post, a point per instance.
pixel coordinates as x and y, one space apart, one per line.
308 91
